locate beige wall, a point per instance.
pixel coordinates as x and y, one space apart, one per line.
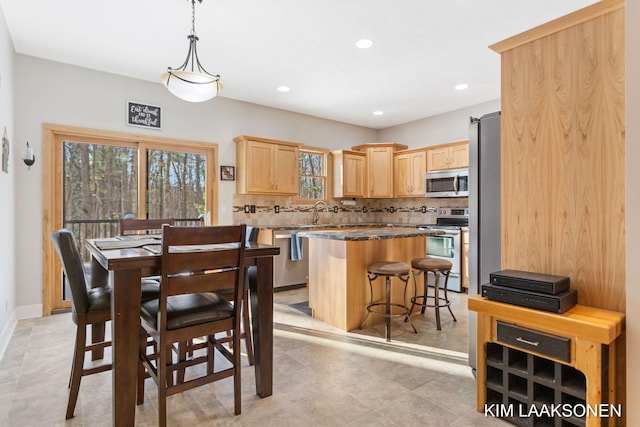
446 127
7 190
76 96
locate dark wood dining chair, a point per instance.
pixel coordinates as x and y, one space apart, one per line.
246 334
199 264
143 226
90 306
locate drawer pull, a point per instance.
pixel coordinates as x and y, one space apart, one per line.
522 340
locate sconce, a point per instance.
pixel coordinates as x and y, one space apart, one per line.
28 157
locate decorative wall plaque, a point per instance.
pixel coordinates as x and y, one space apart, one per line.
144 115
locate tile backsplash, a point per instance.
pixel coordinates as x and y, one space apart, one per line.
280 210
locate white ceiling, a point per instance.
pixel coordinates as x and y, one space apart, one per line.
422 48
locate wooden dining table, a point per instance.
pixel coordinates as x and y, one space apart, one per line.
124 269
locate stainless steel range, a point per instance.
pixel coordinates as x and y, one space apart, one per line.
449 245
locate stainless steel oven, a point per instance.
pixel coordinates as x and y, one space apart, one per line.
449 245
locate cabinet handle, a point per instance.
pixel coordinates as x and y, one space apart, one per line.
522 340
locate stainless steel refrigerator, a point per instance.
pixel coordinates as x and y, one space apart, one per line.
484 209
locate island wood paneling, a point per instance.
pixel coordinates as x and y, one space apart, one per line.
563 136
338 285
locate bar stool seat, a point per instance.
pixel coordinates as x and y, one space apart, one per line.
436 266
388 269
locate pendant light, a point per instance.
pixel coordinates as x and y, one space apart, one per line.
190 81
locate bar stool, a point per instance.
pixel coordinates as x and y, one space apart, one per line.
388 269
436 266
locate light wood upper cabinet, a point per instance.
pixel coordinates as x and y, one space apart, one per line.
380 168
349 173
266 166
409 168
454 155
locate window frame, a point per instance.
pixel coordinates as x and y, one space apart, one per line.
326 177
52 140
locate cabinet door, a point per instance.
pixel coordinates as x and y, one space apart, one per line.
259 167
354 175
438 158
380 180
285 166
402 173
459 156
418 168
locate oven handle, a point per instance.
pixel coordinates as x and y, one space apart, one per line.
446 233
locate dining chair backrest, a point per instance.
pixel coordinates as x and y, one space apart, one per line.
150 226
252 234
67 249
202 259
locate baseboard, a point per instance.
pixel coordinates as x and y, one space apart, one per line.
7 332
28 311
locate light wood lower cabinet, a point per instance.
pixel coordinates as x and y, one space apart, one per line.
521 372
338 286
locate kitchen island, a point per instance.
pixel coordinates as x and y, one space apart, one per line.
338 259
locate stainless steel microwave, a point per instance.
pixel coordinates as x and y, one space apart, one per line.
447 183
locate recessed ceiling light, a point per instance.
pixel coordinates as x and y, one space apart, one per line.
364 43
461 86
378 113
284 88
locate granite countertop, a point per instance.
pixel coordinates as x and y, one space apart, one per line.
306 227
370 233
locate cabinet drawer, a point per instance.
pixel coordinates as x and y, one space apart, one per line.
530 340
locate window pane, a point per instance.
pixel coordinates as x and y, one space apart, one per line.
311 188
100 184
176 185
311 164
312 176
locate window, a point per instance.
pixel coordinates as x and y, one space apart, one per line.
312 165
94 178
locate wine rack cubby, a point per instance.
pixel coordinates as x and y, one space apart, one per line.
537 368
516 380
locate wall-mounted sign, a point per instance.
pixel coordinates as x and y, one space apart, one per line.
144 115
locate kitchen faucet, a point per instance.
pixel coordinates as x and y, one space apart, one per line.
316 217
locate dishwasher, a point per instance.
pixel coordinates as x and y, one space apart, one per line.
286 272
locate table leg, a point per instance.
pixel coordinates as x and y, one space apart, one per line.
261 288
125 318
99 277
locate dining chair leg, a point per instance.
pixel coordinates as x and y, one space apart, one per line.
76 367
167 361
142 348
211 348
183 350
163 381
248 339
97 335
237 386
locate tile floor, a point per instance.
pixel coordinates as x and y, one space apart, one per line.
322 377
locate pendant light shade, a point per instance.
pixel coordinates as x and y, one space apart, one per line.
191 81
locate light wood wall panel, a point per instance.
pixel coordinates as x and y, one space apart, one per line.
563 136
